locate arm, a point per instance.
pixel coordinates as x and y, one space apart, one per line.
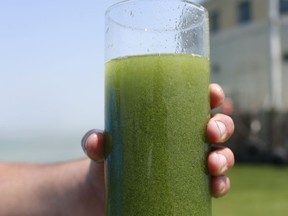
55 189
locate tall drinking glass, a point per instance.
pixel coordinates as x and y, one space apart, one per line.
157 108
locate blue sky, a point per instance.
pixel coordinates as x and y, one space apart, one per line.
51 64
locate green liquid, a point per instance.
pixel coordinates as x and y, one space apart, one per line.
157 107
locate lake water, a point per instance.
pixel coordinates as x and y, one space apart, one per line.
40 148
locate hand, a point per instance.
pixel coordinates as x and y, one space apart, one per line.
219 128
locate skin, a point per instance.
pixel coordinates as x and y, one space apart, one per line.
77 187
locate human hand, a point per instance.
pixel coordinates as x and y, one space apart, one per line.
219 128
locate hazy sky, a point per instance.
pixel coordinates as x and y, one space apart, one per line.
51 64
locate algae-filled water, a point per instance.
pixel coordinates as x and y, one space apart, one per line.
157 107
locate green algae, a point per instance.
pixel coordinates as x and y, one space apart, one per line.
156 113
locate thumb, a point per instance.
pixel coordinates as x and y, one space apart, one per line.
93 145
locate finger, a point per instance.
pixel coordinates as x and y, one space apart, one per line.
219 128
93 145
220 161
220 186
217 95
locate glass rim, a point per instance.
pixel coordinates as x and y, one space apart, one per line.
126 2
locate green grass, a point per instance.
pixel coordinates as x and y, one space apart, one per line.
255 191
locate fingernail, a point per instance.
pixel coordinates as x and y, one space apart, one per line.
222 129
222 186
89 136
218 88
84 143
92 138
222 161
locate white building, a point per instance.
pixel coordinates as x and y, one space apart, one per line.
249 58
252 74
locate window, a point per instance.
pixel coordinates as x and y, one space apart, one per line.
244 12
283 6
285 57
214 21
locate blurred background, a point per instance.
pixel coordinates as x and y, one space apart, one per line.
52 88
249 58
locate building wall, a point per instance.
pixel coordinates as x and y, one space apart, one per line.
239 62
229 10
284 46
240 58
260 10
